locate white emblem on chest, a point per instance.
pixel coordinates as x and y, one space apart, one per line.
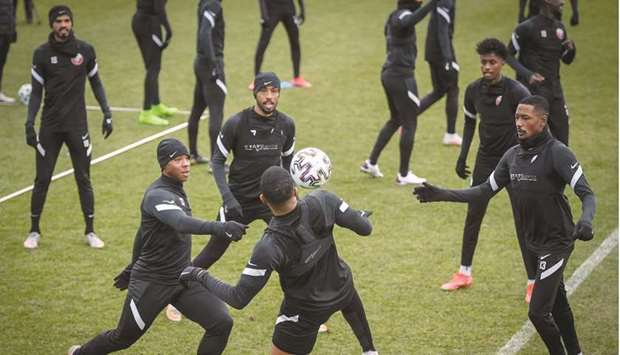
54 60
560 33
543 34
77 60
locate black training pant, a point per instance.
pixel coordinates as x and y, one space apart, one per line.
401 91
475 214
47 150
144 302
292 30
210 94
217 246
5 44
444 83
296 329
147 31
549 309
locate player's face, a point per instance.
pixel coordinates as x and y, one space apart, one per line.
491 66
556 6
267 100
178 168
62 27
529 122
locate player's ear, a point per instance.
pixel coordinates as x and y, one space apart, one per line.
262 198
295 193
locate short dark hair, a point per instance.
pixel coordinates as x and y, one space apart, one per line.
541 105
492 45
276 185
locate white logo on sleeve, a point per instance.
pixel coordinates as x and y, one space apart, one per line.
253 132
574 165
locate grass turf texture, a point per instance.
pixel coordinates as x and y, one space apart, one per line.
62 294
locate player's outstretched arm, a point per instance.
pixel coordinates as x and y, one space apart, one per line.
253 278
408 18
161 205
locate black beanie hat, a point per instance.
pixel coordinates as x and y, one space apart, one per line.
59 10
265 79
169 149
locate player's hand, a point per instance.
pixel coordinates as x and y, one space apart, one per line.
462 170
366 213
536 79
167 40
263 21
452 69
428 193
521 18
14 37
232 230
299 20
106 126
215 74
583 231
568 44
121 281
31 135
192 273
232 207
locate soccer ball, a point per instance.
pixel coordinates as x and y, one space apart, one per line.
24 93
311 168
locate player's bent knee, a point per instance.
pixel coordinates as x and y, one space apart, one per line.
223 327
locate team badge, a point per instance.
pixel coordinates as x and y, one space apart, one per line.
77 60
498 100
543 34
54 60
560 33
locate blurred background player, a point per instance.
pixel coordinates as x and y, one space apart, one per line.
534 9
8 35
258 137
538 170
401 90
439 53
61 66
273 12
161 250
28 10
539 44
210 88
299 244
494 98
146 24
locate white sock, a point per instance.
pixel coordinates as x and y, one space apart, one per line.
370 352
530 282
465 270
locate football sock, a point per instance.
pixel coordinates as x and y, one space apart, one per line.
465 270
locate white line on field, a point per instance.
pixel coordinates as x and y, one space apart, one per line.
526 332
111 154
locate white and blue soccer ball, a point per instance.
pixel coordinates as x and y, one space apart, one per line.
24 93
311 168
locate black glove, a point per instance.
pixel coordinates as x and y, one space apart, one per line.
215 74
264 21
231 230
583 231
452 70
106 125
31 135
192 273
299 20
428 193
462 170
366 213
121 281
232 208
167 40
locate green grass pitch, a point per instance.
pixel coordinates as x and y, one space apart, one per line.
62 294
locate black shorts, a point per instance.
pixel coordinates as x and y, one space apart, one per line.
252 210
296 330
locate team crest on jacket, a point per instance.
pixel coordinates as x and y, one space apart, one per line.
78 59
560 33
498 100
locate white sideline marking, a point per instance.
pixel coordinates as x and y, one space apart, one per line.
111 154
526 332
